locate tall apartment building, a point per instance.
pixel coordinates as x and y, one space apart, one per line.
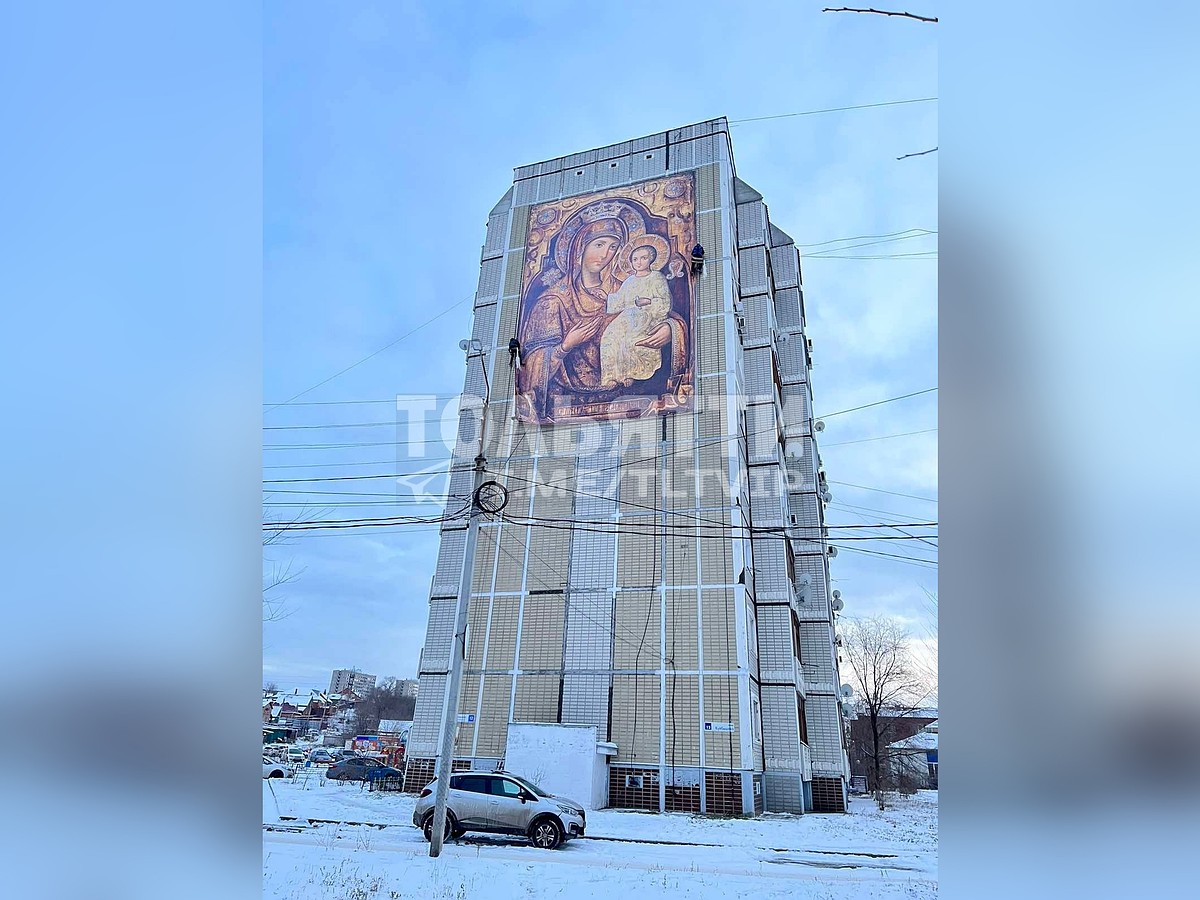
660 569
345 680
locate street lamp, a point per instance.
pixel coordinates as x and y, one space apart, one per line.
474 347
458 647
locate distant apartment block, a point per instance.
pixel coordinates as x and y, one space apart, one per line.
350 680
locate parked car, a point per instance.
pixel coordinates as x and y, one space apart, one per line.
361 768
296 757
273 768
321 757
502 803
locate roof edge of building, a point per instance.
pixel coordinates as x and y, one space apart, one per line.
718 125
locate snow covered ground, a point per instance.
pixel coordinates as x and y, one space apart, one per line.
865 854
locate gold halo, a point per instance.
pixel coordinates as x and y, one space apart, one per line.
661 248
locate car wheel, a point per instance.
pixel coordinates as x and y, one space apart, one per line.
546 833
448 834
276 774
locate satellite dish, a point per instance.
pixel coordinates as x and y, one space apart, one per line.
837 595
826 496
832 550
464 344
837 604
818 426
846 691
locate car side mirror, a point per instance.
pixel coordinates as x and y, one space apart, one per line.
524 797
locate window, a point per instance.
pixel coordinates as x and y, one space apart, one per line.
474 784
529 786
796 637
502 787
803 719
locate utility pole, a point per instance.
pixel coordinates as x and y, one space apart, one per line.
458 647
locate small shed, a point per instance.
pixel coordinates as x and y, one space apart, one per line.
562 759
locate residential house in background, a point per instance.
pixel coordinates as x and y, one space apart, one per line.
913 761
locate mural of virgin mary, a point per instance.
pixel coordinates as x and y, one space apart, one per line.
564 314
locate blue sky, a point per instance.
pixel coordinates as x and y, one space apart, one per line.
390 131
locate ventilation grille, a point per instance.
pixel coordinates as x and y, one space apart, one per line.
624 791
827 795
417 774
724 790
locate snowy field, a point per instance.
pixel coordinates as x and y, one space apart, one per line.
866 854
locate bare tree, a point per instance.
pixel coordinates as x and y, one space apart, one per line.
277 573
882 12
384 701
889 684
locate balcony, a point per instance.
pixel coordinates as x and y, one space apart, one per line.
801 684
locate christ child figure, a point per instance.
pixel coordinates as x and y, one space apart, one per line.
641 305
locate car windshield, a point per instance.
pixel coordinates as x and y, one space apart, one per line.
526 783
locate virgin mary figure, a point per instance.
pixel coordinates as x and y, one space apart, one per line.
560 333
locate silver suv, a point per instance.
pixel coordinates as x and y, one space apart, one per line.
502 803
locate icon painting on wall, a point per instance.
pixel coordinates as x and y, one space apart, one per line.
607 305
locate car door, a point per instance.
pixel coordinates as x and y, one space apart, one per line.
506 810
468 800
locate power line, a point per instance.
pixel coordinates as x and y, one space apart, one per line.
360 522
350 445
355 402
911 560
634 524
876 403
317 493
392 423
650 530
885 514
893 240
370 356
924 539
815 112
926 255
882 437
866 237
377 462
863 487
